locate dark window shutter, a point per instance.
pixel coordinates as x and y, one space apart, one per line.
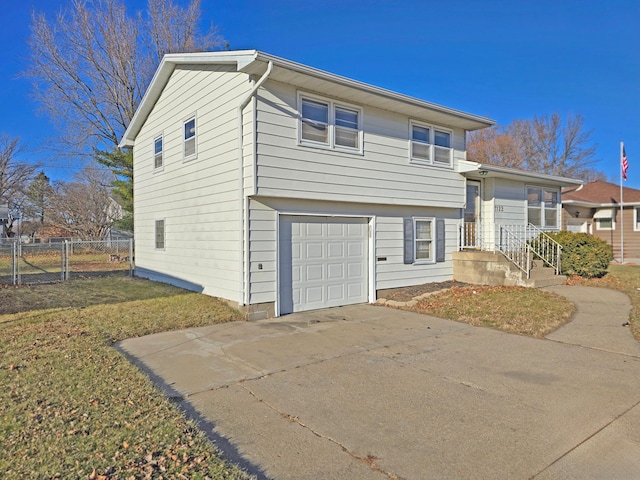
440 243
408 241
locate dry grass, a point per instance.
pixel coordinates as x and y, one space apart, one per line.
71 406
525 311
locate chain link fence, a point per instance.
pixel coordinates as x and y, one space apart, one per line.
26 264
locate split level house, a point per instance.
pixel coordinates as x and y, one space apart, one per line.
595 208
283 188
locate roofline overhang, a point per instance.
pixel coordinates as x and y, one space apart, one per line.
584 203
479 171
250 61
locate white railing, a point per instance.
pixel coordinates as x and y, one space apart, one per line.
470 235
523 243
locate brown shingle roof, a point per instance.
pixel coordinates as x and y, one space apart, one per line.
600 192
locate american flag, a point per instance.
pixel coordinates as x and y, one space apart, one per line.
625 164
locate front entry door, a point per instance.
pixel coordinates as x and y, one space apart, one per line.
471 232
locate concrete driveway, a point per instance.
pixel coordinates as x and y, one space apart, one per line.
368 392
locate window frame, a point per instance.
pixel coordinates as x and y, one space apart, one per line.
605 229
156 236
194 155
432 240
543 208
636 219
431 143
156 167
332 127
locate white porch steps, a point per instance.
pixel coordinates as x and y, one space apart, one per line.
492 268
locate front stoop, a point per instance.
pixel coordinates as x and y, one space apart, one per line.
490 268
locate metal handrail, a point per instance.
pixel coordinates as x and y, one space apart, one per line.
519 242
515 248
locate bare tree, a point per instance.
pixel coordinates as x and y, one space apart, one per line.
15 176
85 207
92 64
543 144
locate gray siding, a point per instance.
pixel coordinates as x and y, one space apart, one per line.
382 174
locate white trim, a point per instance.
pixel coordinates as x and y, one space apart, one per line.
331 124
598 227
543 208
604 213
428 261
245 60
193 156
371 282
431 144
636 223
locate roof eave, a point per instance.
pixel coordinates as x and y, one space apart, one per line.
480 170
249 61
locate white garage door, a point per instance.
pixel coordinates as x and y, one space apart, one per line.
323 262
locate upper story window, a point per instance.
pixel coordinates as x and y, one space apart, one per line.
543 207
430 145
190 138
328 124
157 152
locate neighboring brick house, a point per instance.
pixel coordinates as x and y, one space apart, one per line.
595 208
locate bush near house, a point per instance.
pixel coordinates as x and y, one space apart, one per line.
583 254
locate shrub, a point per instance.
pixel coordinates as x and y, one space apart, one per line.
583 254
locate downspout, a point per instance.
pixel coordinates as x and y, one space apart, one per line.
243 256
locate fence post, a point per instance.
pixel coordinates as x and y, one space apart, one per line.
14 263
62 249
131 257
67 249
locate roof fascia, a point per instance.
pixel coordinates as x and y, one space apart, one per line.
505 172
168 64
481 122
246 60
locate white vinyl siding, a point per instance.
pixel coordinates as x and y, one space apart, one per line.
288 169
329 124
430 145
198 199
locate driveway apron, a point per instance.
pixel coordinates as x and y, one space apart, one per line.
371 392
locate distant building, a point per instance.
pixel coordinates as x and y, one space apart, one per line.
595 208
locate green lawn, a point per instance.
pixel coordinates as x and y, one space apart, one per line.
71 406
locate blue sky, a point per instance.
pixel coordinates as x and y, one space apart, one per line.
501 59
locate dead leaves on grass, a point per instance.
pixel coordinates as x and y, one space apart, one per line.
520 310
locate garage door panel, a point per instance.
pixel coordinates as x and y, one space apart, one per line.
328 261
335 271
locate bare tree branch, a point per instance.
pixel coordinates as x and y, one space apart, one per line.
15 176
91 64
543 144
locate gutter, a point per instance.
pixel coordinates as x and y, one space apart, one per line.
243 220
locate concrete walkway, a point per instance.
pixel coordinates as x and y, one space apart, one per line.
371 392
